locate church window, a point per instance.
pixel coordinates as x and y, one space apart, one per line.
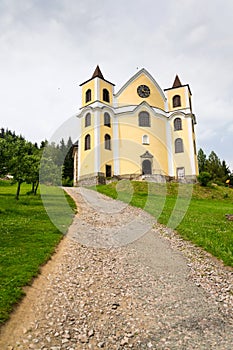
176 101
145 140
180 173
144 119
107 120
88 95
106 95
178 124
179 148
88 119
87 144
107 141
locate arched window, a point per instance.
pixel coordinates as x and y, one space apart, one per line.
144 119
107 141
88 95
176 101
107 120
145 140
88 119
87 143
179 148
106 95
178 124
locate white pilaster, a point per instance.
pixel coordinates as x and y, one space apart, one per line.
187 98
116 146
169 149
97 89
191 147
79 156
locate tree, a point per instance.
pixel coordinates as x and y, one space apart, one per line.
214 167
20 162
201 157
225 169
50 173
204 178
5 155
68 165
32 175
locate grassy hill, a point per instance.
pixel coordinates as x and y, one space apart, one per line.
197 213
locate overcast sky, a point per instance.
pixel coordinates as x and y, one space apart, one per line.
49 47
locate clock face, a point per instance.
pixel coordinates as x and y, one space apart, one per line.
143 91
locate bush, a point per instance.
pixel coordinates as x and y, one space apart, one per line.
67 182
204 178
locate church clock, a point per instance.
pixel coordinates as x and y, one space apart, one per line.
143 91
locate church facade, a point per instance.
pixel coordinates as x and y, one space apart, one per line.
139 132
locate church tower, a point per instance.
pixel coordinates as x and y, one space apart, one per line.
97 89
95 144
182 121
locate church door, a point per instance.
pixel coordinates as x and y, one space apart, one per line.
108 170
146 167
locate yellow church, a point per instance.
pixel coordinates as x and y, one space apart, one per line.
139 132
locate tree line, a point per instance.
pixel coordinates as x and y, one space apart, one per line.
25 161
212 169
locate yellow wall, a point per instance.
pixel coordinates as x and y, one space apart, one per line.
131 147
129 94
178 91
109 87
89 85
106 156
87 158
182 159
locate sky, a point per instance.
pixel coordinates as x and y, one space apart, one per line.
49 47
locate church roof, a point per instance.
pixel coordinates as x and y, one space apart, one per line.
97 74
177 82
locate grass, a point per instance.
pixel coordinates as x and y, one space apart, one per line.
197 213
27 240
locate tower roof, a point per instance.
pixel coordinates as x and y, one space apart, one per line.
97 73
177 82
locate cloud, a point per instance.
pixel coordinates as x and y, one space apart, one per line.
49 47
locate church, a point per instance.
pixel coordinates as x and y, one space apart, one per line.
139 132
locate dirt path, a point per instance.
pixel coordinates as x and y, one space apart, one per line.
156 292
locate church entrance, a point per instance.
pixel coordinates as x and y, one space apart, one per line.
108 170
146 167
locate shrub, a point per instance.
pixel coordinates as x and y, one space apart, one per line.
67 182
204 178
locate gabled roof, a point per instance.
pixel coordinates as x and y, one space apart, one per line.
135 76
97 74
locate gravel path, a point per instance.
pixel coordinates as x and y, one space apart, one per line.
157 292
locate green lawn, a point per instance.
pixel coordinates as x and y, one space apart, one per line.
27 240
202 220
